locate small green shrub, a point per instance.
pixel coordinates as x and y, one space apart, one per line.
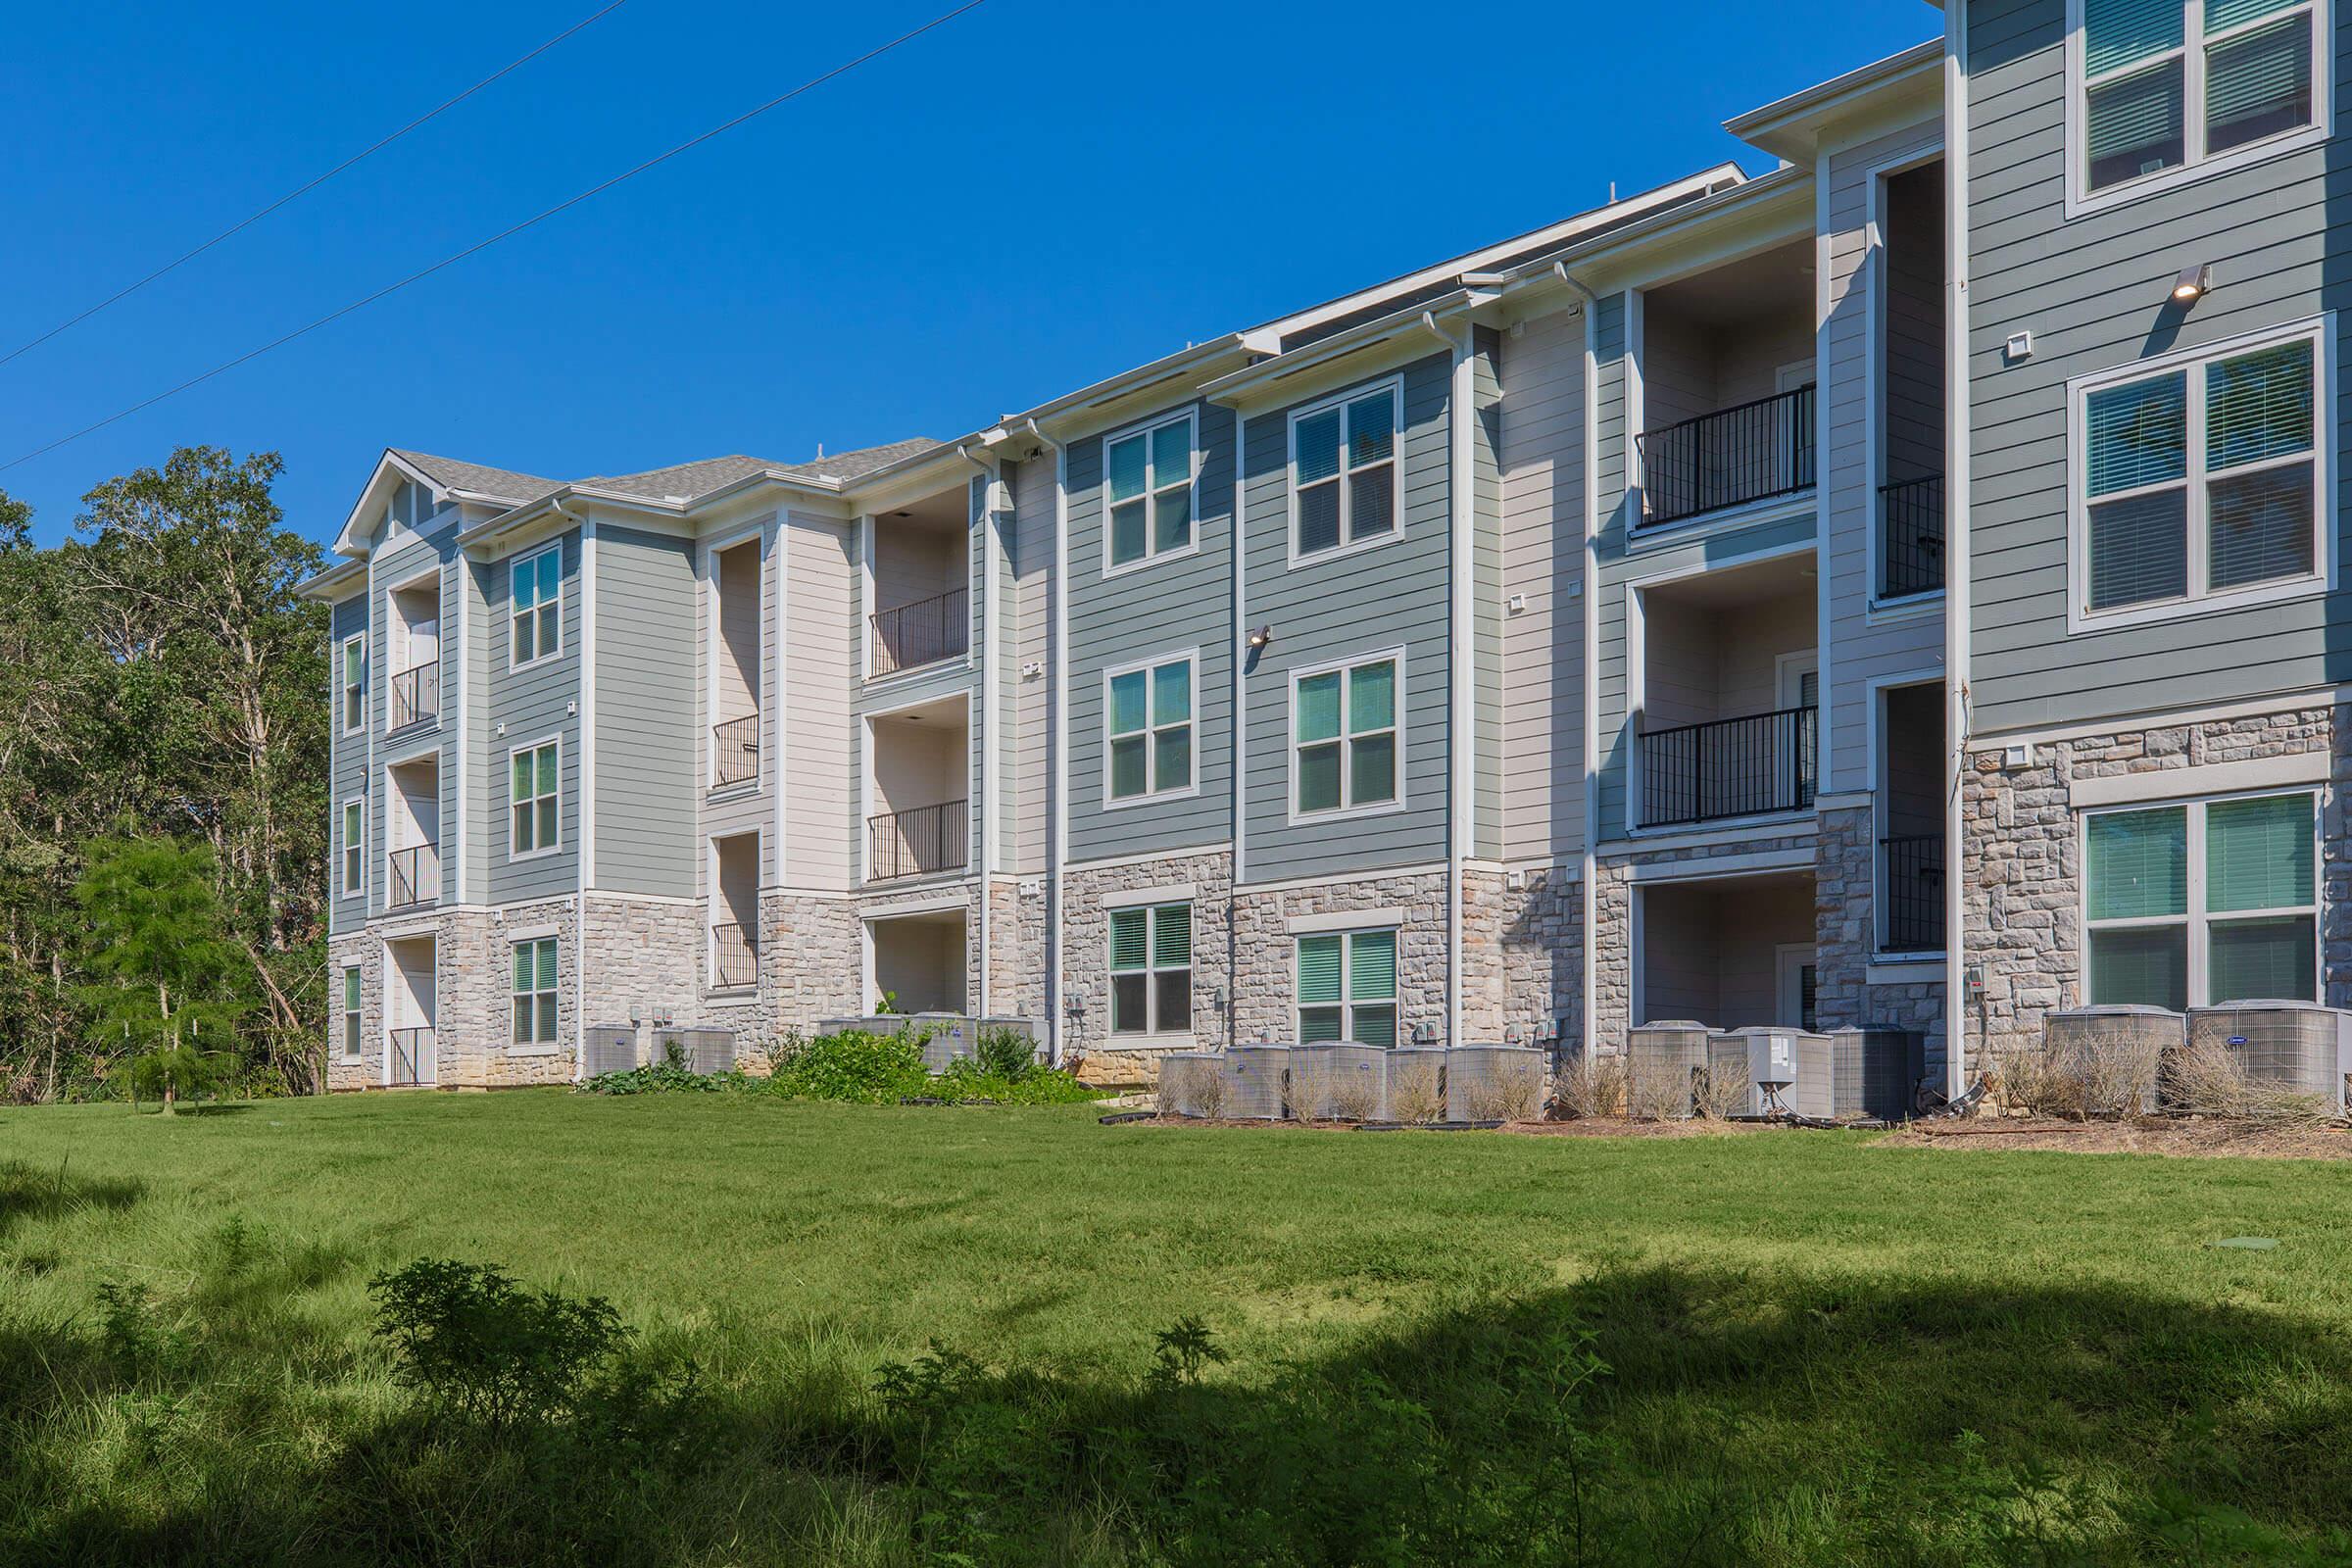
485 1348
1006 1053
861 1069
660 1078
967 1080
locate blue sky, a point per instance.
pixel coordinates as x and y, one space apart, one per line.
1038 195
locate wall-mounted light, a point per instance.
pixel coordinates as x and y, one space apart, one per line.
2194 284
1259 636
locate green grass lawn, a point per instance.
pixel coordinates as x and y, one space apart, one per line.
1781 1349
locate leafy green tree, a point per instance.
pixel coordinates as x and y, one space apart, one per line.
165 972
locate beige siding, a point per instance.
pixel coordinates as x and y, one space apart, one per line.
1029 617
820 625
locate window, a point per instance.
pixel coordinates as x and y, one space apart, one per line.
354 685
1152 970
534 992
1148 476
2170 84
355 848
1344 737
538 615
2200 484
532 797
1149 717
351 1011
1347 988
1343 472
2203 903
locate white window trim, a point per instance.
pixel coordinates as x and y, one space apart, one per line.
1346 1004
1347 813
1394 386
1152 556
526 559
1151 971
346 1049
541 852
345 847
2196 919
1190 788
535 1047
344 686
2080 199
2080 617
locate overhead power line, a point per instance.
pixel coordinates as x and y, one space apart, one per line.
372 148
455 257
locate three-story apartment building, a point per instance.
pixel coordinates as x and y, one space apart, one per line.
1704 607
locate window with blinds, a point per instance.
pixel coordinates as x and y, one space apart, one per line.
352 1034
2203 903
1152 970
1346 988
1149 478
1343 486
533 999
1345 738
1148 725
2165 85
2201 482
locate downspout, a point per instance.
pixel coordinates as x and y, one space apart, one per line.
1588 872
987 711
1460 659
585 858
1058 842
1956 542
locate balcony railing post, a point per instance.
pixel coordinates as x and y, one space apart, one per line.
921 632
1749 766
925 840
1753 452
735 751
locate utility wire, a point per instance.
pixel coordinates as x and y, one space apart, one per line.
450 260
242 224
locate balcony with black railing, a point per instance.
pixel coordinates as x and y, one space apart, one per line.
414 1053
922 631
924 841
1911 892
415 876
1911 537
1733 457
1750 766
734 957
416 695
735 751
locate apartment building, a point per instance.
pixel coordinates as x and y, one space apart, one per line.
1631 620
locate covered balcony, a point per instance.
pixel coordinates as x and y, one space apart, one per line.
411 1009
1728 698
918 961
1910 373
734 622
1728 952
921 586
1911 818
734 959
1728 407
412 832
414 637
919 770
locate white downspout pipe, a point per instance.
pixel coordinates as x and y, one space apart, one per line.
1956 543
1588 857
1058 842
988 713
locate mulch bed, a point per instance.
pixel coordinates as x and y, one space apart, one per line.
2192 1135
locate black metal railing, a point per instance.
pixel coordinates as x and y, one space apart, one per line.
923 632
919 842
1731 767
416 695
416 876
1911 537
1911 888
1730 457
735 751
734 959
413 1057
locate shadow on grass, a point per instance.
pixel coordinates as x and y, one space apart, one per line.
28 1193
1650 1415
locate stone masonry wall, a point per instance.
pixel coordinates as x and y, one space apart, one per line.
1264 988
483 998
366 1070
1613 920
1086 960
1016 936
1522 954
1845 936
811 961
2021 903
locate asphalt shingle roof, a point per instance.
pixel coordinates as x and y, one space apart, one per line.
504 483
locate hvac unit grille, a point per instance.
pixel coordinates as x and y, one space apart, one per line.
1253 1079
611 1048
2297 1046
1339 1082
2127 1044
1494 1083
1417 1084
1192 1084
1797 1061
1877 1072
1660 1061
702 1051
948 1039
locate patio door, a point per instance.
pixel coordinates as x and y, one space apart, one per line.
1799 976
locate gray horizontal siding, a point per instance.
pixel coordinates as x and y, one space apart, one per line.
347 765
1486 602
532 703
1395 594
1163 609
2092 291
647 786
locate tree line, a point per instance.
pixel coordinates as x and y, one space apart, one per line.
163 789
